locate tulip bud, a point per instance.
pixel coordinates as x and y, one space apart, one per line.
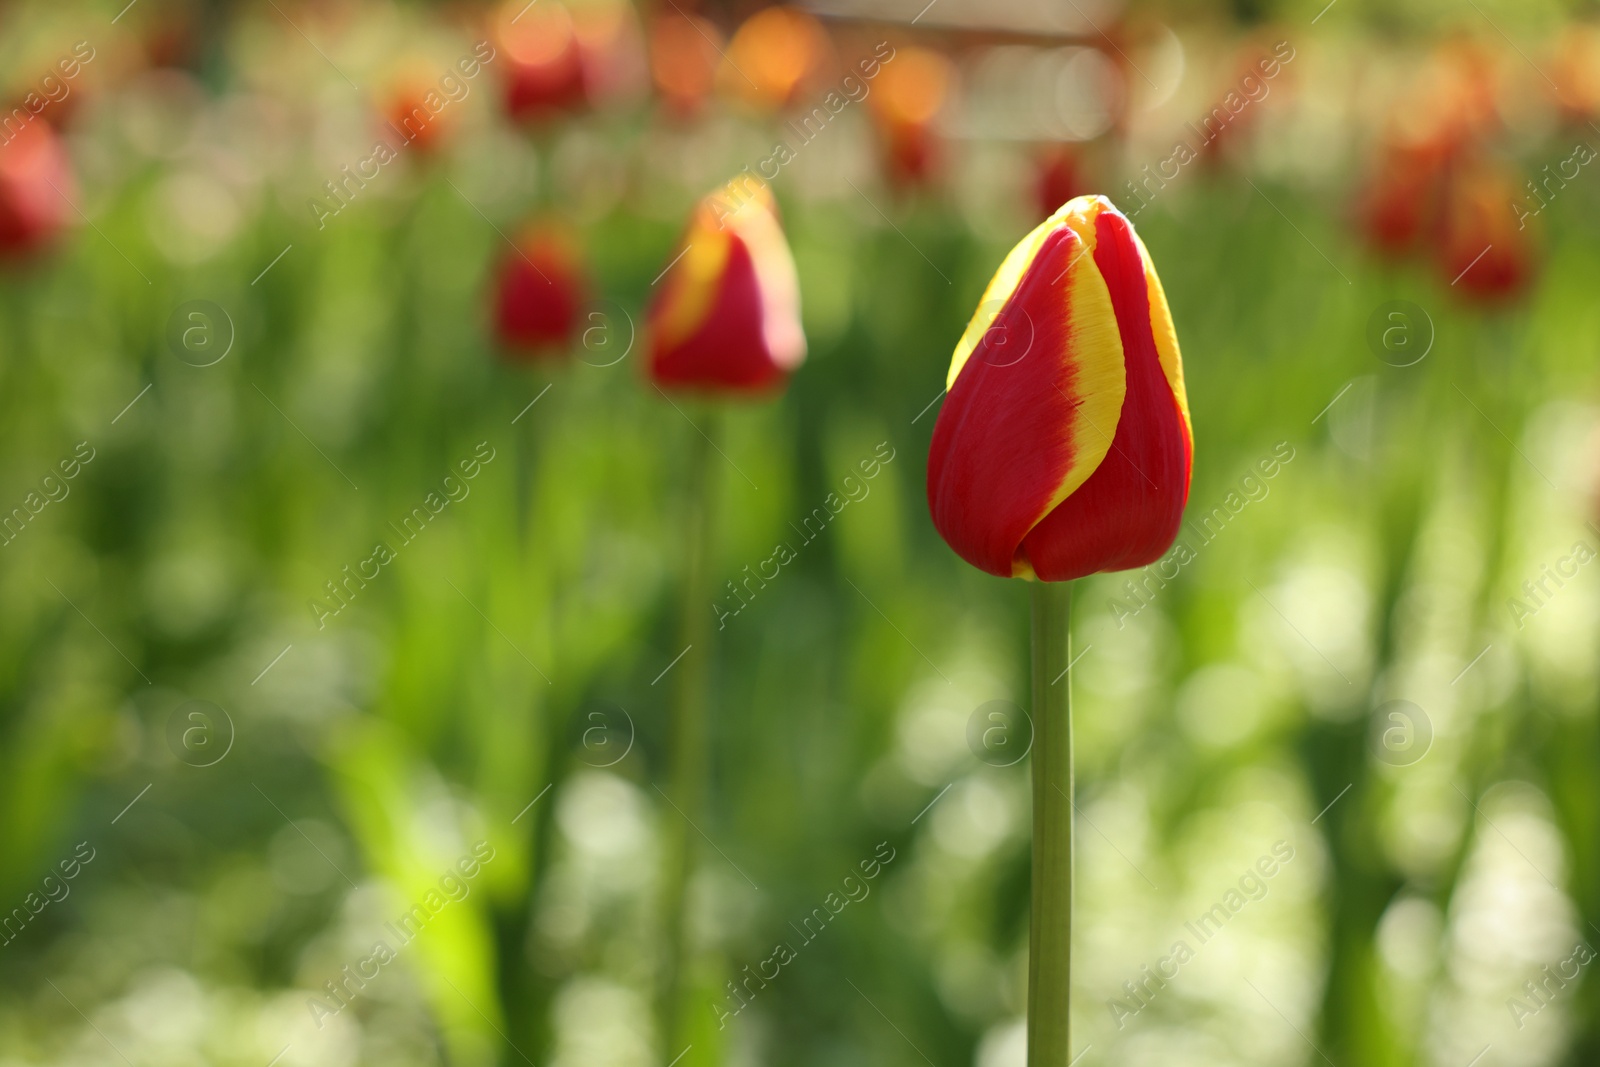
727 318
406 112
35 181
684 51
774 56
1576 72
910 93
1481 249
1399 204
1064 447
543 66
1058 177
539 294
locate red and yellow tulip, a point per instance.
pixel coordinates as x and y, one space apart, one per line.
1064 446
727 318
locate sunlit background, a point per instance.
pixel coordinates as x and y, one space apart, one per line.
241 346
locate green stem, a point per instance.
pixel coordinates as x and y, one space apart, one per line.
1050 926
687 740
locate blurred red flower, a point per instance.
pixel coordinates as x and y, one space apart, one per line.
1398 206
1058 177
1481 248
539 295
544 72
566 57
910 92
727 318
35 184
405 109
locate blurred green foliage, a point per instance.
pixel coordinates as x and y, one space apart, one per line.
453 701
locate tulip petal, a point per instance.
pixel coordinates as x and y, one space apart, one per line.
1166 335
691 287
1018 434
1127 512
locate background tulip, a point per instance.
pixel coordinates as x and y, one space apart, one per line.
1482 250
35 181
774 57
727 318
1063 449
726 321
539 293
684 53
406 113
544 70
910 93
1058 177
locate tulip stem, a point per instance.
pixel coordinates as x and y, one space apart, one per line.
1050 925
688 729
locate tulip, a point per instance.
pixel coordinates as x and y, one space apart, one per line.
1576 73
544 69
775 56
909 94
1063 449
1072 455
1482 249
1399 205
561 59
406 112
725 323
727 317
35 181
539 294
1058 177
684 53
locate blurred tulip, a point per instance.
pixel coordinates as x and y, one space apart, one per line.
1576 72
611 47
775 56
35 182
1399 204
1058 177
540 294
727 318
684 52
564 57
543 72
906 100
1482 249
1261 72
1460 98
406 111
1064 446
